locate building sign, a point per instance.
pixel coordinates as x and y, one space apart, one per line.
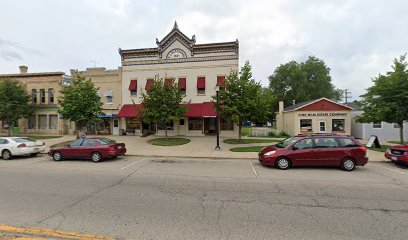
328 114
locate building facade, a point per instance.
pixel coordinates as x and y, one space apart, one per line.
109 83
44 89
317 116
197 68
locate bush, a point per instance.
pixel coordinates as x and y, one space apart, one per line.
278 134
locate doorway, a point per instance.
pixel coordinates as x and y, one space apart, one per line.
322 126
210 126
115 127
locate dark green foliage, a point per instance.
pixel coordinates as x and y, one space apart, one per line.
302 82
80 102
14 102
162 103
242 100
387 99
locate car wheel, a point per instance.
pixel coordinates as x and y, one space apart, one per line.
57 156
348 164
6 154
283 163
96 157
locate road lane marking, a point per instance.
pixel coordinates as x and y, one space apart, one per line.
133 164
253 169
394 170
35 233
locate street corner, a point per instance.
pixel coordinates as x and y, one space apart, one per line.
25 233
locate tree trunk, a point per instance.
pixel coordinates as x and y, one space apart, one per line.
165 130
401 133
239 131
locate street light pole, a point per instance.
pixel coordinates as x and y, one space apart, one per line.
217 90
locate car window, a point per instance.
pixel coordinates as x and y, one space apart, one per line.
304 144
21 140
106 141
326 143
3 141
88 143
287 142
347 142
76 143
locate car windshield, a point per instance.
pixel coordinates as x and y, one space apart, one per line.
106 141
285 143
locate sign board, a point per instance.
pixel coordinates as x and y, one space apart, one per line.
373 140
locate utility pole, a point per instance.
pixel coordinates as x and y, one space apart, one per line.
346 95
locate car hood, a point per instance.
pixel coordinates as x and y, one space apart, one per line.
268 149
400 147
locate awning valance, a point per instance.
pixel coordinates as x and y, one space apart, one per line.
221 81
133 85
149 83
182 83
206 109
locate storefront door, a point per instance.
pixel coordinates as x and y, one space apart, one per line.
115 127
209 126
322 126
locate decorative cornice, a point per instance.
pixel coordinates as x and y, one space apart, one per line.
180 60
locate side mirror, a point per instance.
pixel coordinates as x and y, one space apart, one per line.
294 148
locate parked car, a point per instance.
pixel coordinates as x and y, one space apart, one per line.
95 149
398 154
19 146
315 150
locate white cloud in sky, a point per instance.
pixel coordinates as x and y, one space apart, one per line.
356 39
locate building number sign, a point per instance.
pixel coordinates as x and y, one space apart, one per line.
176 53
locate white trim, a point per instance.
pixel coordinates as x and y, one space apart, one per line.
317 101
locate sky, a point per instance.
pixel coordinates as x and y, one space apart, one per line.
357 39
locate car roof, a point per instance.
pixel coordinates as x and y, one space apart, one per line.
324 135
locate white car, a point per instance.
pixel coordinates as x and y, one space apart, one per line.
19 146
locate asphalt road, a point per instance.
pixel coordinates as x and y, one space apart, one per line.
158 198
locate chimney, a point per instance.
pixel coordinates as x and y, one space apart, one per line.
23 69
281 107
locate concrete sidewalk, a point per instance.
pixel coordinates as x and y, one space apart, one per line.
201 147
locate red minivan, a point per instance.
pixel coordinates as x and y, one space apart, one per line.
315 150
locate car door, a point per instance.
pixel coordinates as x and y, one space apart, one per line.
302 153
328 151
73 149
87 147
2 144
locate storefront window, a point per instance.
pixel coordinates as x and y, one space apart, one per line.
53 123
170 126
42 121
226 124
32 122
132 123
377 125
305 125
338 125
195 124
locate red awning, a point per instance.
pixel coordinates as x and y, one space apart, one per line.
206 109
220 81
168 81
149 83
133 85
131 111
182 83
201 82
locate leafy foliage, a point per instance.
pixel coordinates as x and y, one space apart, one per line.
302 82
242 100
387 99
14 102
162 103
80 102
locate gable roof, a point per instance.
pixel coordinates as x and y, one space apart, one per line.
301 105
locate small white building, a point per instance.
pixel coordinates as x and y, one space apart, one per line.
384 131
197 68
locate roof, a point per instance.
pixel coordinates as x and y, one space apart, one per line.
354 105
32 74
298 106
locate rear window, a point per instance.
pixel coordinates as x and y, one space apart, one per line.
106 141
347 142
21 140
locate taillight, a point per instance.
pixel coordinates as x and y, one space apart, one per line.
363 149
21 145
112 148
406 153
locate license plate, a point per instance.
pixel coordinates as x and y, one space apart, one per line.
119 147
394 158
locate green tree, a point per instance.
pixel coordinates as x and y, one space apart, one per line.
161 103
242 99
387 99
302 82
14 103
80 102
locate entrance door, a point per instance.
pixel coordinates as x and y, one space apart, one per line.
322 126
115 131
210 126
